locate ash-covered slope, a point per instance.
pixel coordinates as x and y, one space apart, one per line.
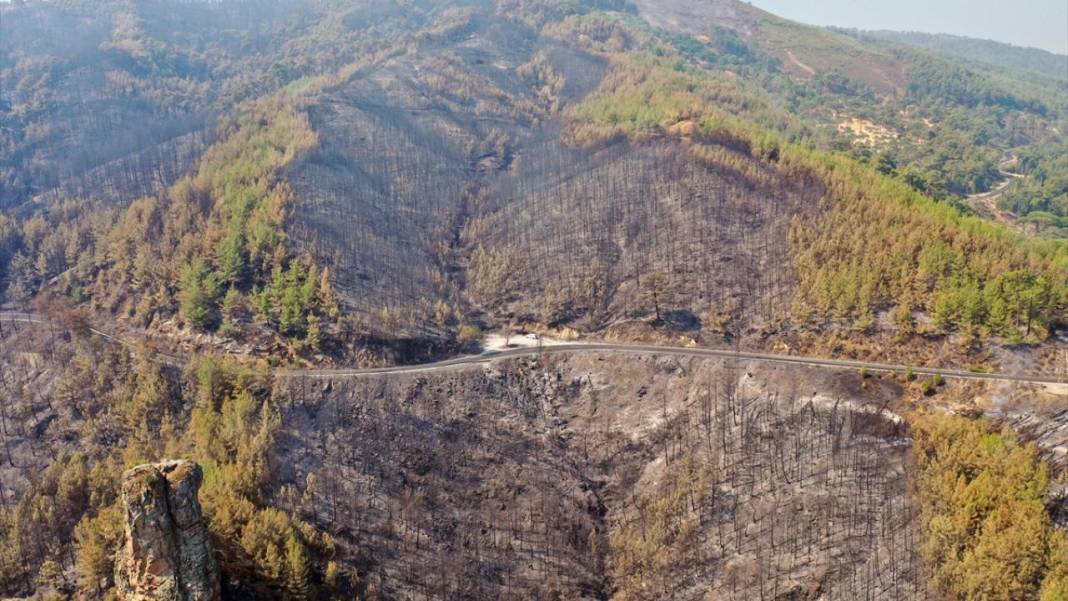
583 477
407 147
612 478
110 99
443 176
581 229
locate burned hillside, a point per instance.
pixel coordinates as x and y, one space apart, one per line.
611 300
407 147
591 476
610 477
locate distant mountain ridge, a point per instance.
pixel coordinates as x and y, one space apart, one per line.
999 54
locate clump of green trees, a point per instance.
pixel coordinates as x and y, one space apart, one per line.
246 259
1041 198
986 533
878 244
219 236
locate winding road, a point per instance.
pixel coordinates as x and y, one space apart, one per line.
599 347
986 203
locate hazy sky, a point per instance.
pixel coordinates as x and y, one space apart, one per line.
1036 23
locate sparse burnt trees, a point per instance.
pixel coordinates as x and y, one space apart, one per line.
448 472
800 496
657 290
620 213
749 492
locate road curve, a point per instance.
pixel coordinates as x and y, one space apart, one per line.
605 347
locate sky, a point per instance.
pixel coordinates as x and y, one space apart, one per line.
1035 23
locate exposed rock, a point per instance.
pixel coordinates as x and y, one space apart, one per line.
166 554
1057 504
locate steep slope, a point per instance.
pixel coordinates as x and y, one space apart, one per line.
69 100
584 229
366 182
586 477
407 146
611 478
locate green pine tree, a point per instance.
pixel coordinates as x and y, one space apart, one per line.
199 291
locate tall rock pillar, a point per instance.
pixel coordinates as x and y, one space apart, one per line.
166 554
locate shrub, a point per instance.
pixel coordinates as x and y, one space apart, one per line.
469 334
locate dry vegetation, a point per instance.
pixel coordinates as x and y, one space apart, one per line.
987 532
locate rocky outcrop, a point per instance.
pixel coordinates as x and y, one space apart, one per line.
166 554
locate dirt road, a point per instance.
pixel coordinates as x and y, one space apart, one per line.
597 347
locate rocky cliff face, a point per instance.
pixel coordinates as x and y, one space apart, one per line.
167 551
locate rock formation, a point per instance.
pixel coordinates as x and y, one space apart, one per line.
166 554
